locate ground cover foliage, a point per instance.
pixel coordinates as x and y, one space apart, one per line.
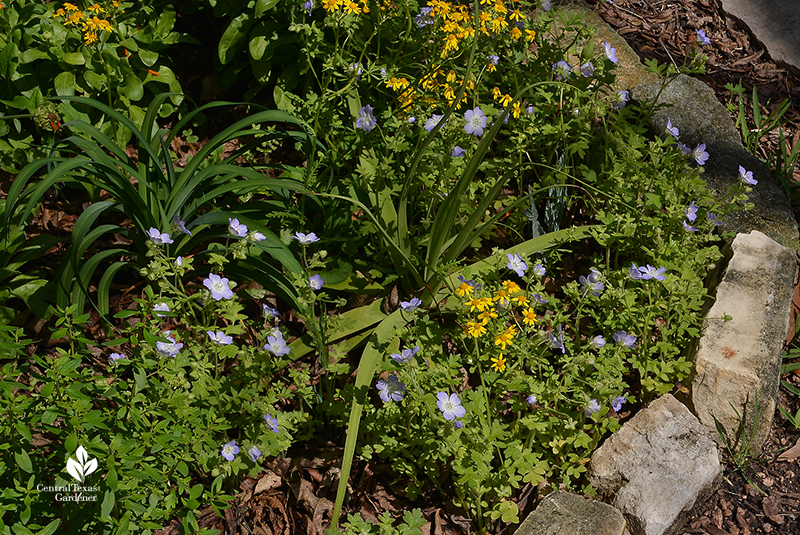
532 257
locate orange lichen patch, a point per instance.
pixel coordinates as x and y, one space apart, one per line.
728 353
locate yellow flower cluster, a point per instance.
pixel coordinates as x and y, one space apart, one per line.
88 21
350 7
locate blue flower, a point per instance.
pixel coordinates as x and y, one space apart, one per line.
457 152
219 287
316 282
702 39
272 423
476 121
650 272
470 282
610 52
236 228
114 357
431 123
269 311
409 306
684 149
598 342
181 225
672 130
160 307
700 154
220 338
713 219
424 18
157 237
493 59
529 110
276 344
230 450
547 5
305 239
557 343
169 348
562 70
405 356
688 227
450 405
539 299
624 339
516 264
592 408
622 99
634 273
616 403
366 121
587 70
592 283
254 452
531 399
747 176
458 424
257 236
691 211
539 270
412 120
391 389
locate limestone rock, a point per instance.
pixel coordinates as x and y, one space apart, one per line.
563 513
700 117
657 467
741 359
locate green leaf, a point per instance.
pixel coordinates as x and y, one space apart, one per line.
23 461
50 528
32 54
132 88
94 80
108 504
148 57
232 38
74 58
264 5
65 83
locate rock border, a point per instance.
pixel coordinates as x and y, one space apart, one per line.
733 359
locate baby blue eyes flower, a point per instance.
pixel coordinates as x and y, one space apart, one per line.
230 450
623 97
702 39
587 70
316 282
539 270
170 348
557 343
493 59
457 152
616 403
160 307
269 311
624 339
450 405
688 227
412 120
220 338
114 357
516 264
470 282
179 261
257 236
391 389
356 68
424 18
236 228
305 239
531 399
592 408
309 6
634 273
547 5
254 453
476 121
684 149
610 52
700 154
272 423
529 110
562 70
539 299
431 123
405 356
747 176
409 306
691 211
713 219
366 121
458 424
598 342
277 345
672 130
650 272
157 237
592 283
219 287
181 225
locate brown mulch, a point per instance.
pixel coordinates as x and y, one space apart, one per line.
759 495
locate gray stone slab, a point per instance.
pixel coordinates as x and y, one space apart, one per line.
563 513
774 24
739 361
657 467
696 112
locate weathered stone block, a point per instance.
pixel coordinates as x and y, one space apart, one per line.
657 467
562 513
741 359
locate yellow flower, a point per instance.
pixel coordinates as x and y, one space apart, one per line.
496 93
502 297
90 38
71 7
330 5
481 304
451 76
520 299
506 337
499 363
475 329
59 13
516 15
486 315
529 317
531 35
103 25
512 287
115 3
515 110
506 100
75 18
353 8
97 9
515 33
499 24
491 67
464 289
